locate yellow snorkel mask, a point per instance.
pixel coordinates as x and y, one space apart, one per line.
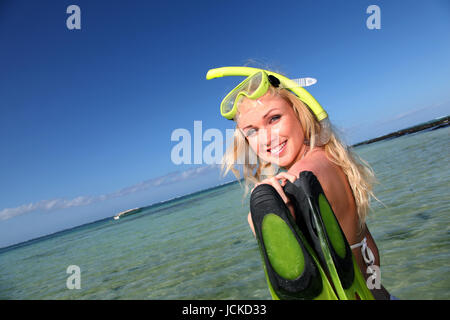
256 85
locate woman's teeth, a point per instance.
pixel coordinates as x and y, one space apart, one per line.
277 149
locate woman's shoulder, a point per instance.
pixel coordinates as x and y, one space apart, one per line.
318 163
333 181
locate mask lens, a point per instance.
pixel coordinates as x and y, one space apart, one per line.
251 88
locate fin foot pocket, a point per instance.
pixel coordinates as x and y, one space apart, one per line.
291 270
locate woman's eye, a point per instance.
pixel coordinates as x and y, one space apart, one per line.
250 132
274 118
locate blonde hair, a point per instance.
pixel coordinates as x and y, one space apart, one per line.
359 174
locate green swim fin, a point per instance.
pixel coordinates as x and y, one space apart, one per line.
316 220
291 267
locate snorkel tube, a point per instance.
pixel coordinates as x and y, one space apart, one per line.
300 92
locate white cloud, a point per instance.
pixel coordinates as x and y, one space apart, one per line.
57 204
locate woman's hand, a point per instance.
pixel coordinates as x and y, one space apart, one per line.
278 182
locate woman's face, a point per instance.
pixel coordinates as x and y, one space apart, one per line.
272 129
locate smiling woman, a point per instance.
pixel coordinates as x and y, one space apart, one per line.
284 132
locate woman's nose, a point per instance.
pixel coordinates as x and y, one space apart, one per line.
268 138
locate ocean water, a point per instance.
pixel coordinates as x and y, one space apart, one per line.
200 247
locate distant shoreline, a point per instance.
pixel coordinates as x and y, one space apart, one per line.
132 211
435 124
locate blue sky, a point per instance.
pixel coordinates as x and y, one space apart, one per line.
86 116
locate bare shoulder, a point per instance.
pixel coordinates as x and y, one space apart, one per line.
318 163
334 183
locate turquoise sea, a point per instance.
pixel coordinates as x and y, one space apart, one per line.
200 247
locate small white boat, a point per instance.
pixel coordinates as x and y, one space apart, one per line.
126 212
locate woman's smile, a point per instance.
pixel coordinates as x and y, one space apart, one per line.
278 149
